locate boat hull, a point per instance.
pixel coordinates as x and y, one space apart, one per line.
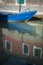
17 17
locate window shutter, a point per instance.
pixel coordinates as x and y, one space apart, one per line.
37 52
8 45
26 49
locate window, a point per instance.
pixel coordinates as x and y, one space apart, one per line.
16 2
8 45
37 51
25 49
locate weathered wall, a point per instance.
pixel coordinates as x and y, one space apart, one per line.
16 39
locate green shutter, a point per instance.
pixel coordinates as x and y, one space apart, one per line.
37 52
25 49
8 45
21 1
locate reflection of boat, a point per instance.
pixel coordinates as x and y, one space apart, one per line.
22 16
22 27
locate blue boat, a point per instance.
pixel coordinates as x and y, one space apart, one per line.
22 16
7 20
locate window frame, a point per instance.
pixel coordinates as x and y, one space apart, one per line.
23 48
10 45
34 47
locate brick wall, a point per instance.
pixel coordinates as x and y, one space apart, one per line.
17 45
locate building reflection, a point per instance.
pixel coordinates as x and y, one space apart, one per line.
32 2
